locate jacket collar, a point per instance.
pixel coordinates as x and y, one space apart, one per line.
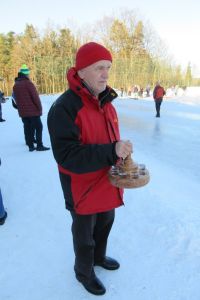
22 77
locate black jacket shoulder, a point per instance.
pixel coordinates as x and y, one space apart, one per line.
70 102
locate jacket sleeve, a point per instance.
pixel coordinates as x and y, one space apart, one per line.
67 148
2 98
14 104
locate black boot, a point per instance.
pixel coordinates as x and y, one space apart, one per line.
94 286
31 149
2 220
108 263
42 148
2 120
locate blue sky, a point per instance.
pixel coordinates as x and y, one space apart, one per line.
176 21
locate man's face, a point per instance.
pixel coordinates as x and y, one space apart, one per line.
96 75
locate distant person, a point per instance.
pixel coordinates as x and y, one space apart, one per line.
29 109
148 89
158 94
2 100
84 132
140 92
14 104
3 213
135 92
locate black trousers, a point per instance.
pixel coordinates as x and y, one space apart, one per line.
158 103
90 234
32 126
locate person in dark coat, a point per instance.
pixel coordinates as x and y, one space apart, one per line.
29 109
84 133
158 94
14 104
3 213
2 100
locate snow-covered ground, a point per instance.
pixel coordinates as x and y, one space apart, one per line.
156 235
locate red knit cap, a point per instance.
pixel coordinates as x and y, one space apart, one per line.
90 53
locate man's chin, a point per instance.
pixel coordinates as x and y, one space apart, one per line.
102 89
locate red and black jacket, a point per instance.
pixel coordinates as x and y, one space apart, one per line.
83 132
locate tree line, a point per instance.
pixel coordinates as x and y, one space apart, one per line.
139 55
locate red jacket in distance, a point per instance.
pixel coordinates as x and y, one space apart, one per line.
158 92
83 132
27 98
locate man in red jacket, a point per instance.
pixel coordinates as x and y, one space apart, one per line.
84 132
158 95
29 109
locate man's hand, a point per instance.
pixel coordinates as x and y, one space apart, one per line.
123 148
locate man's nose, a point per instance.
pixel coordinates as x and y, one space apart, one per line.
105 74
